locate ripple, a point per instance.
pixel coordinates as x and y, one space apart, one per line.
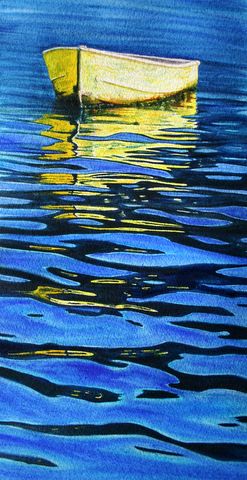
42 462
220 451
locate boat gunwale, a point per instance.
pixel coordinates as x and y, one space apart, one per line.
120 85
161 61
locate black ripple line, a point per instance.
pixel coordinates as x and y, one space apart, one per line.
8 347
235 332
42 462
242 419
50 389
200 383
218 451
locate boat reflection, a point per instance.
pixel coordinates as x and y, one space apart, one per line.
104 171
129 135
152 142
62 128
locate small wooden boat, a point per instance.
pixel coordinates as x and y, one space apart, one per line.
96 76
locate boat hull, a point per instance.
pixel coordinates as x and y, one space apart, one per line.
95 76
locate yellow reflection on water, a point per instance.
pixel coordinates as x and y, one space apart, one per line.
62 130
136 153
53 353
156 137
99 180
152 121
132 354
99 134
76 298
109 281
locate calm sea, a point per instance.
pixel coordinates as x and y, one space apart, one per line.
123 240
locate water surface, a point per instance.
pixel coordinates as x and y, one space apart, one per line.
123 252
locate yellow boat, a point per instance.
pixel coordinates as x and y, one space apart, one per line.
98 76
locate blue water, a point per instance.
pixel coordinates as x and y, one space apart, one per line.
123 251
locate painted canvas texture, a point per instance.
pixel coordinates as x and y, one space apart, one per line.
123 249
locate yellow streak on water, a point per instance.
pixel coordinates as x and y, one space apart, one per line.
90 208
166 189
57 178
148 223
91 216
53 353
99 180
110 281
177 287
81 193
47 247
44 292
132 229
49 294
69 274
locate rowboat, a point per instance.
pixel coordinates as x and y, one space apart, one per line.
95 76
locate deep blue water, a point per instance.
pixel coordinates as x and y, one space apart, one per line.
123 251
